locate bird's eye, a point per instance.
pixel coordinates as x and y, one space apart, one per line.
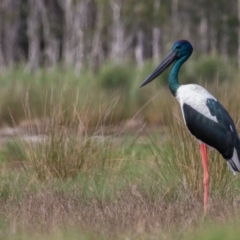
178 47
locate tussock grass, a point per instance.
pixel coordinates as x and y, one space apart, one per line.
180 166
117 86
45 211
79 172
179 160
69 144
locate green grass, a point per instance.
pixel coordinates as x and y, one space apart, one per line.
109 160
145 190
111 94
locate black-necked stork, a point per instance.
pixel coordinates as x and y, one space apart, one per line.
203 115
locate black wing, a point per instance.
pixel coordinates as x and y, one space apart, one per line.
221 135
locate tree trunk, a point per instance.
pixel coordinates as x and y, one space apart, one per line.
139 48
11 24
175 20
156 35
75 17
224 40
213 40
117 33
79 27
97 55
51 44
203 32
33 25
2 63
68 51
239 34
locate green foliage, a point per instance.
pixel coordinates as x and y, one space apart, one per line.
110 95
116 77
14 152
211 68
83 170
179 165
205 69
217 232
64 154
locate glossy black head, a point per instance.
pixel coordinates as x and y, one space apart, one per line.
180 49
183 48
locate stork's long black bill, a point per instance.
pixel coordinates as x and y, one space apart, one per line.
167 61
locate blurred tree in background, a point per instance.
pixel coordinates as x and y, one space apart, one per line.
78 33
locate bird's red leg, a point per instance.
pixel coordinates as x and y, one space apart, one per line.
203 149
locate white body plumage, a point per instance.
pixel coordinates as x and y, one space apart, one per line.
196 97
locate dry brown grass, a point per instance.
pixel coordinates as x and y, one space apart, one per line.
129 212
150 189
